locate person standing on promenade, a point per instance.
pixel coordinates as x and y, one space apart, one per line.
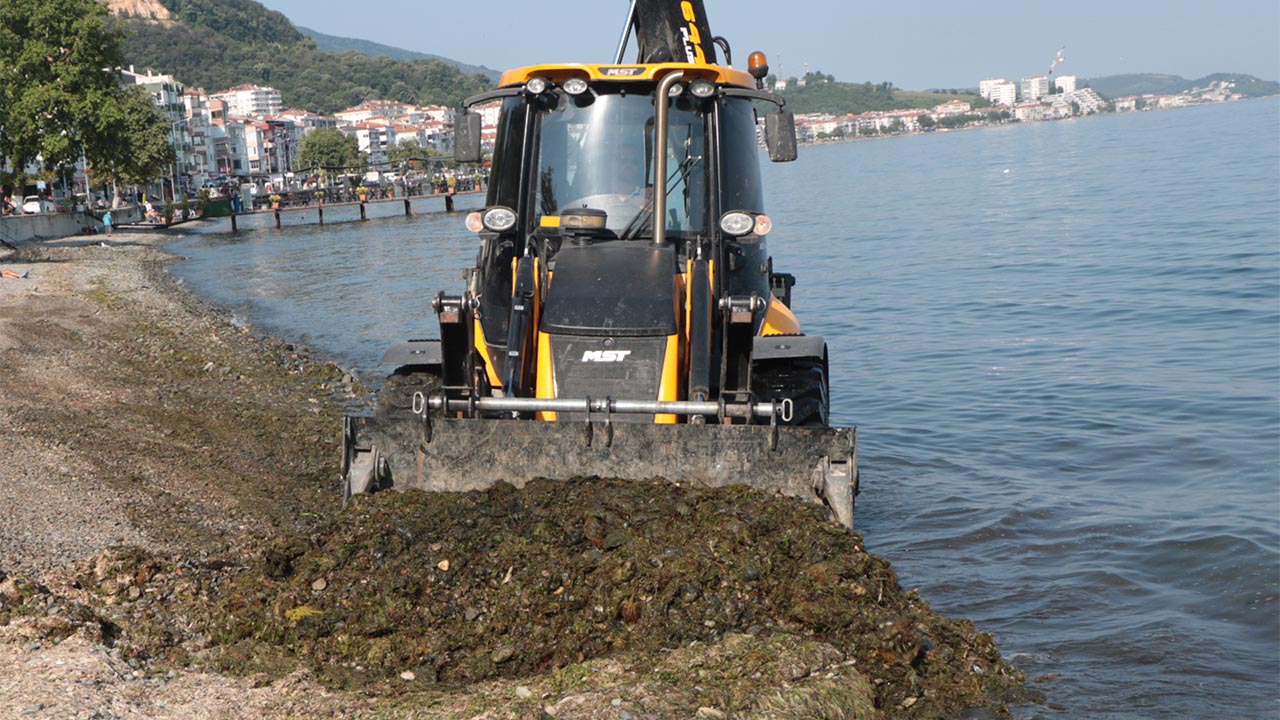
106 222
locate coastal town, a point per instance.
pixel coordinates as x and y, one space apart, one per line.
243 143
1032 99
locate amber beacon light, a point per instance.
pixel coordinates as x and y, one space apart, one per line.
758 66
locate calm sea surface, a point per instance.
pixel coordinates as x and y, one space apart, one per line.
1061 345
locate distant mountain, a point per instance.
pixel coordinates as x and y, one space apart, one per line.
1114 86
335 44
217 44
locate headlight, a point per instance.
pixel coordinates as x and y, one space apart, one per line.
474 222
675 90
737 223
537 86
575 86
499 218
702 88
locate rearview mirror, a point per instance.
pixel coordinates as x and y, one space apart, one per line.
466 139
780 135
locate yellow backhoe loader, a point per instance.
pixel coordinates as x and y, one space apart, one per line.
623 318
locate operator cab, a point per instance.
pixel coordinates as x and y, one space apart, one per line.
595 150
575 162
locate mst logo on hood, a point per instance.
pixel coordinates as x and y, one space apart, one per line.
605 356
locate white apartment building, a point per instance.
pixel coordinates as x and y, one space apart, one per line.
255 144
1034 88
307 121
383 109
374 139
1065 83
167 93
1087 100
203 136
988 86
438 113
953 107
250 100
1005 94
233 160
428 134
999 91
1030 111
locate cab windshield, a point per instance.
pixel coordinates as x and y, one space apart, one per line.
596 151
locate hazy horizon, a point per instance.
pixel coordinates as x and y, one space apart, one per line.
930 44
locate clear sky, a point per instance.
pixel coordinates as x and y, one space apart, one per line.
915 45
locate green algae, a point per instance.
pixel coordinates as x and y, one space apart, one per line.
464 588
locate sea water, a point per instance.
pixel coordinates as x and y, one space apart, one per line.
1060 342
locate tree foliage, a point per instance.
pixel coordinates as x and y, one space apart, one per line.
327 148
52 87
140 149
411 154
60 100
254 45
239 20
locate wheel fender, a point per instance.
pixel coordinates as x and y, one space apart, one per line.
414 353
789 347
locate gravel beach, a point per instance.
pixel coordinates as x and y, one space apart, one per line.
172 545
119 395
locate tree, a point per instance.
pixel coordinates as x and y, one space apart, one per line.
410 152
330 149
140 149
54 94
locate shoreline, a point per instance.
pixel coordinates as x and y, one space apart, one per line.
159 460
988 126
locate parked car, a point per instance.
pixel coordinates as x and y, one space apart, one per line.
34 205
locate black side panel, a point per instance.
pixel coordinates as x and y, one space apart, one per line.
665 34
496 254
618 289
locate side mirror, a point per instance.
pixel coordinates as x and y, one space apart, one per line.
466 138
780 135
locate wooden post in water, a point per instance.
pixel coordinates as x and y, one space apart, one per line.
362 215
277 218
233 223
321 208
407 212
448 202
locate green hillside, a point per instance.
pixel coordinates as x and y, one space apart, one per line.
335 44
823 94
218 44
1114 86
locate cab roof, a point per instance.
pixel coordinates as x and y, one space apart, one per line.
626 73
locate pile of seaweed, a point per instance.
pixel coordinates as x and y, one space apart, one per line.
455 588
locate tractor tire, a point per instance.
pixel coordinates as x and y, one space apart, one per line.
395 399
803 381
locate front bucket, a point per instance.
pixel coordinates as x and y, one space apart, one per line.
817 465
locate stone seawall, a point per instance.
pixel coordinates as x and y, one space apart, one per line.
24 228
